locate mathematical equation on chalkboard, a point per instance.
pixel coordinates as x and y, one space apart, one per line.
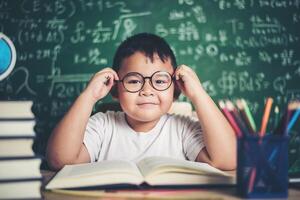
237 47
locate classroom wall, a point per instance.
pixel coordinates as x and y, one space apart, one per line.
238 48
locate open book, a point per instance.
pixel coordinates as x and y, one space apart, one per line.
151 171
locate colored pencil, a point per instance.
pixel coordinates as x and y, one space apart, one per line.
249 115
265 118
281 128
292 106
276 118
244 115
293 120
230 119
251 179
236 115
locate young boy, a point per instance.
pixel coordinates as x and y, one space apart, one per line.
145 79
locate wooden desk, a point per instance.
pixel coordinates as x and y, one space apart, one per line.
216 194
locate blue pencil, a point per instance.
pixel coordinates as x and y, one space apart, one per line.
293 120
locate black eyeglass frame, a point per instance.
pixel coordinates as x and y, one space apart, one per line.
144 80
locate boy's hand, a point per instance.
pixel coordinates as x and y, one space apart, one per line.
188 82
101 83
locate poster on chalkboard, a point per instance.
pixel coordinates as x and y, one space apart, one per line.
7 56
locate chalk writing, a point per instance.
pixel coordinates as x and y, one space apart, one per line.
238 48
56 38
232 81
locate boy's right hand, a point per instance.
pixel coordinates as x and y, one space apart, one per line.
101 83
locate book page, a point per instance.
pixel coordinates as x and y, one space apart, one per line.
179 178
102 167
158 165
97 173
169 171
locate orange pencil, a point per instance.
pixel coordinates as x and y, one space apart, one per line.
266 115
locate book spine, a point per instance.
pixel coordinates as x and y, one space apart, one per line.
19 158
21 180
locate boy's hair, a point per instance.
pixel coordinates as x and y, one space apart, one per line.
146 43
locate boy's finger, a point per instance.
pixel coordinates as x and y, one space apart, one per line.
114 73
112 76
106 80
116 77
181 76
179 72
110 82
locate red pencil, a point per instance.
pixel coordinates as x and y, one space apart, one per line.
251 180
230 119
236 116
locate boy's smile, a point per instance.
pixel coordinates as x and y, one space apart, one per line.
144 108
147 105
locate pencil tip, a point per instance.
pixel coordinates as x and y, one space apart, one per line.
221 104
276 110
239 104
229 105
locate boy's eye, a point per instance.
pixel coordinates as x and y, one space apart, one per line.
162 81
133 81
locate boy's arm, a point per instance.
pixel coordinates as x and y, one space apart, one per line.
219 137
65 145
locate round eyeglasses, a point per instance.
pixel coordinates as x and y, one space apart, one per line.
134 81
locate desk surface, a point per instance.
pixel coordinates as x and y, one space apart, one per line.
207 193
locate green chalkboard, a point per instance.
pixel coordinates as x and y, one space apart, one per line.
238 48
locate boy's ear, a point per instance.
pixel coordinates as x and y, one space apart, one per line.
114 92
176 91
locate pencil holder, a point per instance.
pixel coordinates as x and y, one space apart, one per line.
262 166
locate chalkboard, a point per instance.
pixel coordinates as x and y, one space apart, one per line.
239 48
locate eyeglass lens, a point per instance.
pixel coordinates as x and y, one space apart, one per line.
133 82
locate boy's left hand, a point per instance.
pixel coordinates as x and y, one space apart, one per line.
188 82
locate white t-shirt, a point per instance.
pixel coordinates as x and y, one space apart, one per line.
108 137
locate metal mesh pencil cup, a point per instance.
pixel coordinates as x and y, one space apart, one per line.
262 166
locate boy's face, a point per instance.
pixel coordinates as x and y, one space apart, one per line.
147 104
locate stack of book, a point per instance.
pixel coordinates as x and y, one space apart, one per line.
20 175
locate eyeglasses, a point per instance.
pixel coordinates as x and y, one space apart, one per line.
134 81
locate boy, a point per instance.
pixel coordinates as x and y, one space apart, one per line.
145 80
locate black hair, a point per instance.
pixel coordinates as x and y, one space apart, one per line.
146 43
